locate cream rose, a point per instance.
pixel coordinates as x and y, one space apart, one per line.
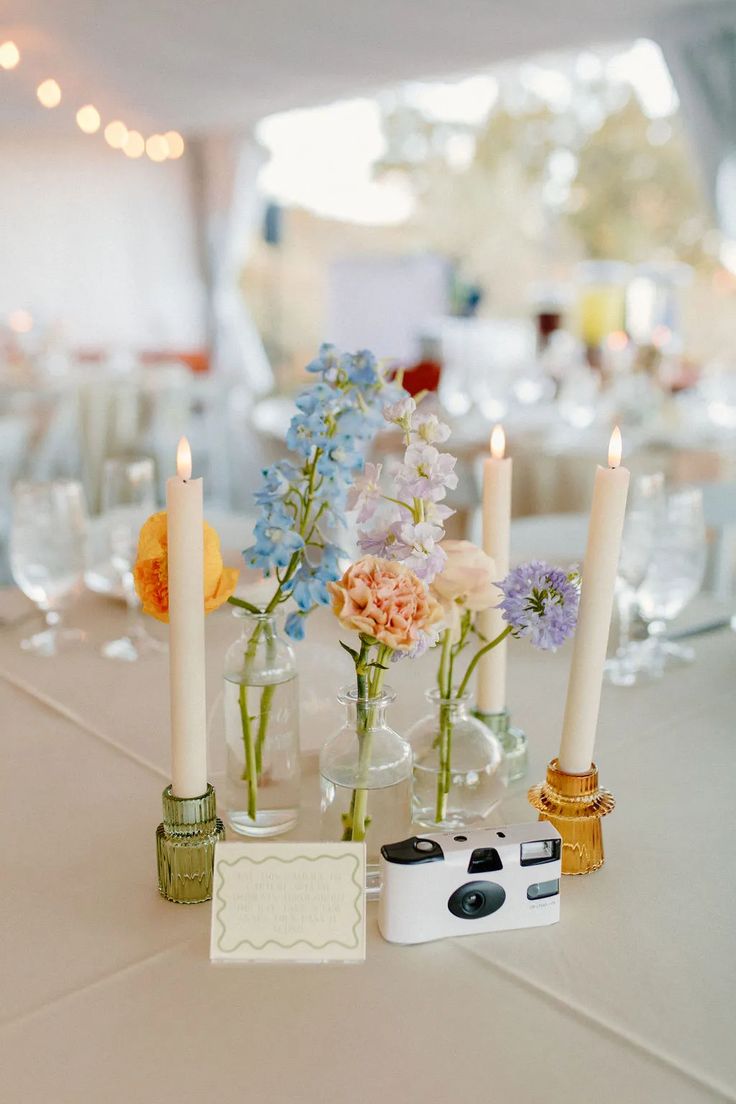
466 581
385 600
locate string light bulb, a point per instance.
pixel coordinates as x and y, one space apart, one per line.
88 119
116 134
49 93
9 55
134 146
157 147
175 144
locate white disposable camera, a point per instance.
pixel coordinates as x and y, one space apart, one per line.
462 883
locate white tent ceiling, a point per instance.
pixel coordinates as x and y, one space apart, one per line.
197 65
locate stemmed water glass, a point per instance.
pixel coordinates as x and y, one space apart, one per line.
128 497
673 578
47 553
646 512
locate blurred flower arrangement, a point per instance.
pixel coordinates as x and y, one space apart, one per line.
301 501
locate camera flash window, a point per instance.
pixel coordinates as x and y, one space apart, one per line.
540 851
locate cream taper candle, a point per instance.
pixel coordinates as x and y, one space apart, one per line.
594 618
497 470
185 538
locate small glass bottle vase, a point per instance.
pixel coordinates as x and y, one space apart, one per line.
365 777
460 773
261 729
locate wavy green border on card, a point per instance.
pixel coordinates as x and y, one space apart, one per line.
286 862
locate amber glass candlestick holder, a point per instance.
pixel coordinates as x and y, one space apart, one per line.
575 804
185 847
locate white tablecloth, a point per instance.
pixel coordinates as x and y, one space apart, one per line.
108 992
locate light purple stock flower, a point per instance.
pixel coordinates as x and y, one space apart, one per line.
365 492
378 532
540 602
420 548
399 413
429 429
427 473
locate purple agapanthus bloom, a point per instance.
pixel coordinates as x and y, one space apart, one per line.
541 602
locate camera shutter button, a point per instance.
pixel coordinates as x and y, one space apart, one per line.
424 845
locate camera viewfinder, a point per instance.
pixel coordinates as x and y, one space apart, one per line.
483 860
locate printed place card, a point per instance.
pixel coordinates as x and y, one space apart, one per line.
281 902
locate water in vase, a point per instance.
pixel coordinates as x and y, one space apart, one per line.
262 739
388 819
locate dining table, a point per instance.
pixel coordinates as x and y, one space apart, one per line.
108 991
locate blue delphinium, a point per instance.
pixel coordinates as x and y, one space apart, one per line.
541 603
336 417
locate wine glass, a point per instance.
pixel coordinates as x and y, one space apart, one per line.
47 552
647 504
673 578
128 497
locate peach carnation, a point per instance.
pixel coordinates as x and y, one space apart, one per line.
385 600
151 571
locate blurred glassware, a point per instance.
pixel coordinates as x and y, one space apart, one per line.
47 546
718 391
128 497
562 350
480 359
532 385
578 398
646 511
549 303
673 578
636 399
601 300
652 302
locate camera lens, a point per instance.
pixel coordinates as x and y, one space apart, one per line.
472 903
474 900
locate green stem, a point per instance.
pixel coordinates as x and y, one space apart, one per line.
370 684
242 604
477 657
266 702
444 775
444 679
251 768
249 773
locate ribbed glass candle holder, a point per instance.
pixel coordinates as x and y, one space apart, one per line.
185 847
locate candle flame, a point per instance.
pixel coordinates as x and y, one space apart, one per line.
183 459
615 448
498 442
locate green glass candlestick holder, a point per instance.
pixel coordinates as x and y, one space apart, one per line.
512 739
185 847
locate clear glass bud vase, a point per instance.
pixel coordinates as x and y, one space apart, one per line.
261 729
460 773
365 776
